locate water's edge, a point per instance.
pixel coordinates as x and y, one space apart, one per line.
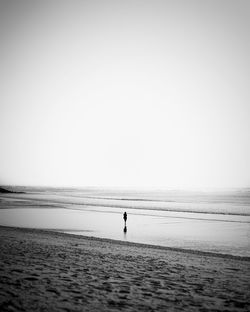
127 243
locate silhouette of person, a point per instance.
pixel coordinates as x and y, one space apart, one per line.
125 217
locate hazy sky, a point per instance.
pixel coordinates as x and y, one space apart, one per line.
125 93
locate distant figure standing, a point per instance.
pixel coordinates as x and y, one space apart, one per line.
125 220
125 217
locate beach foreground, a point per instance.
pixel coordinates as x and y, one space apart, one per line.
49 271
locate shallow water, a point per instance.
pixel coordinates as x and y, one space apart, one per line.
92 215
169 230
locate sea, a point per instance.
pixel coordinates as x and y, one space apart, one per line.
213 221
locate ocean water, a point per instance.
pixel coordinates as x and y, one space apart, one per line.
213 221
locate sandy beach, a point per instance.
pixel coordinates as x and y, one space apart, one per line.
49 271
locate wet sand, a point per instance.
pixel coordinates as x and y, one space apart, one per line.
169 229
49 271
92 213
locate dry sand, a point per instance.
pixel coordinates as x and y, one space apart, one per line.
47 271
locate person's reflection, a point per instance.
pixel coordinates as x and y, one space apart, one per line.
125 232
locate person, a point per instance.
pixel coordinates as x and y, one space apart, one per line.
125 217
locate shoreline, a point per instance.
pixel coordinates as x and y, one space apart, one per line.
41 270
127 243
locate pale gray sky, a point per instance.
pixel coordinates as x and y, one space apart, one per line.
125 93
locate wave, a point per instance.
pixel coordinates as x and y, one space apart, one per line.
233 204
163 209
